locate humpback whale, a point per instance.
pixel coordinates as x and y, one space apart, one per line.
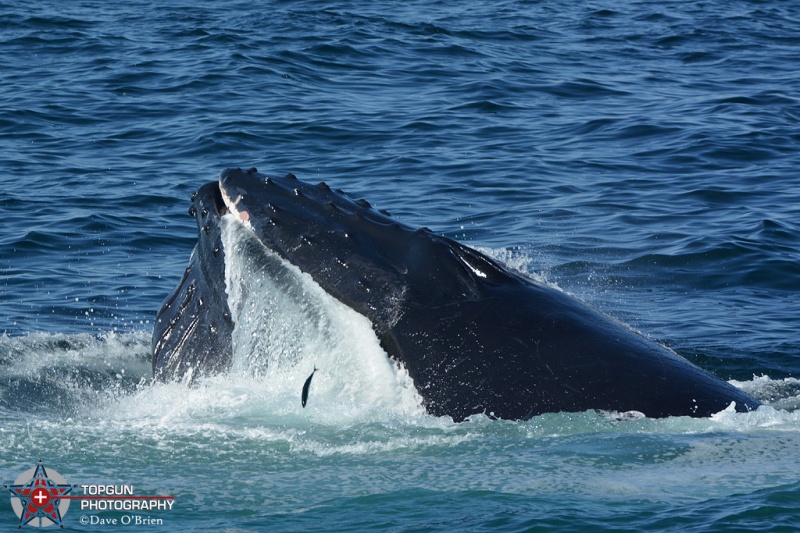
474 336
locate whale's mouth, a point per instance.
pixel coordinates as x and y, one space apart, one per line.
232 201
222 206
200 204
231 205
285 324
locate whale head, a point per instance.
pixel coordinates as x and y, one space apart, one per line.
473 336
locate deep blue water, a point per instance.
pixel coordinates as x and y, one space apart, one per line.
644 156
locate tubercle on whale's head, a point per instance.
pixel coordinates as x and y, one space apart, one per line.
269 199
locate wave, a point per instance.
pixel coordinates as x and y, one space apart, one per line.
107 378
66 374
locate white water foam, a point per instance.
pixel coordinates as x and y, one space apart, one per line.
285 325
35 353
777 393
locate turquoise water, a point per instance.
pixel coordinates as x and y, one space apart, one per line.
641 155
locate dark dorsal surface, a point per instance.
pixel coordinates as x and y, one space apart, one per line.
474 336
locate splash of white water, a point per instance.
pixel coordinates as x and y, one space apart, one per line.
286 325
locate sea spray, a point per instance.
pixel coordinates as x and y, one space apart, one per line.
285 324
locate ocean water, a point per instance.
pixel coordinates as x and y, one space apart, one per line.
644 156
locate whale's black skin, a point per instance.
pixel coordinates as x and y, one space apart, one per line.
474 336
192 333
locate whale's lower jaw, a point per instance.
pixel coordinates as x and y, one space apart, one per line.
473 336
192 333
